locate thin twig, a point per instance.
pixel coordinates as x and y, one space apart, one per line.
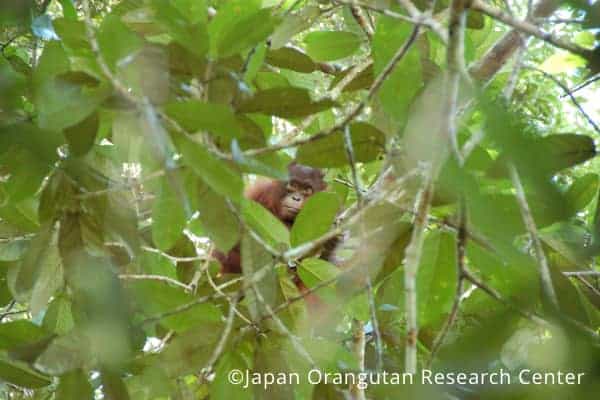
461 245
375 324
543 266
582 85
568 93
224 336
581 273
361 20
161 278
8 310
352 161
284 329
588 285
498 297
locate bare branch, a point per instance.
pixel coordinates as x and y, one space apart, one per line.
358 347
529 28
498 55
411 266
160 278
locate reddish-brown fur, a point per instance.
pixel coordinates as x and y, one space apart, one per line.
270 194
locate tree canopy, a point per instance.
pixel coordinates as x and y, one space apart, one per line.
457 139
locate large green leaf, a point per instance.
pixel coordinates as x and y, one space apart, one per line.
246 33
291 58
401 86
436 280
18 333
227 17
168 217
367 141
74 384
285 102
116 41
331 45
155 298
42 254
314 271
265 224
185 21
62 103
582 191
218 220
21 375
292 24
195 116
219 175
13 86
315 219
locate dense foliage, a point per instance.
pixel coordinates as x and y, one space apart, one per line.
457 139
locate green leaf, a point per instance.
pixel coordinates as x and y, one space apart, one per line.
26 174
217 174
53 61
361 81
21 375
284 102
566 239
194 116
16 12
168 217
401 86
13 250
331 45
293 24
315 219
73 385
116 41
18 333
566 150
265 224
69 10
582 191
13 86
228 15
291 58
61 103
218 221
367 141
40 255
314 271
67 353
50 279
222 387
436 281
155 298
246 33
59 318
81 137
185 21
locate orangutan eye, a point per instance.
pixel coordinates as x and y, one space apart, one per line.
291 188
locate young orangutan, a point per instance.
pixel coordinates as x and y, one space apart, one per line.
284 199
